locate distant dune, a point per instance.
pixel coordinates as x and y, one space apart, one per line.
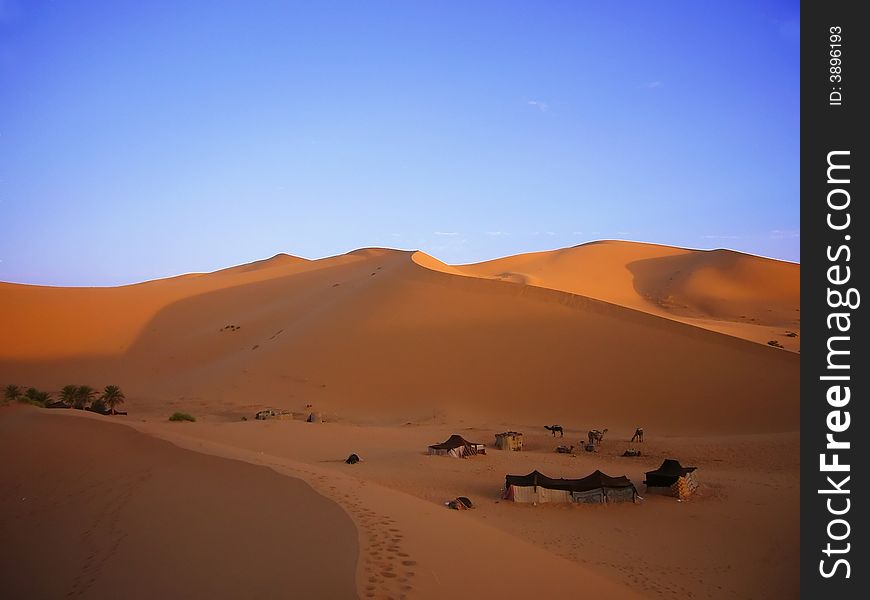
605 333
399 350
745 296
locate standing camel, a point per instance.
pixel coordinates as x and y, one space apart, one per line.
554 429
638 435
595 436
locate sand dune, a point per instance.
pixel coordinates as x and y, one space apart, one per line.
745 296
659 548
93 510
48 323
380 334
399 350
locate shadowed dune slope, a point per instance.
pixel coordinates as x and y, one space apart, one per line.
91 510
379 334
738 294
48 323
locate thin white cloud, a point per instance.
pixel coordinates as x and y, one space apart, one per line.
720 237
495 233
651 85
542 106
446 233
784 234
551 233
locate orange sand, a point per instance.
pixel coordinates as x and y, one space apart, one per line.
92 510
399 350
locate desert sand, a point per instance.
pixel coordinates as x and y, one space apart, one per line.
398 350
746 296
99 511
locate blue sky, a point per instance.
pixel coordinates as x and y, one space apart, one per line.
146 139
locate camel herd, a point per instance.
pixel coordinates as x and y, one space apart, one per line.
594 436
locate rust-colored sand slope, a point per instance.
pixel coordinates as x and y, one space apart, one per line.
43 323
745 296
90 510
374 334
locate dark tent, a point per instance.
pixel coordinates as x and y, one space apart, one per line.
590 482
672 479
667 474
457 446
454 441
353 459
596 487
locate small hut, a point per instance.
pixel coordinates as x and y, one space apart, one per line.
509 440
596 488
457 447
672 479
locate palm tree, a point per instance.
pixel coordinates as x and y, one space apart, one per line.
43 398
12 392
68 394
32 393
84 396
112 397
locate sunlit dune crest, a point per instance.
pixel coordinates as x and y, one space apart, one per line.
600 330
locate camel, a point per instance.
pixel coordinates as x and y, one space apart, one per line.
595 436
554 429
638 435
565 449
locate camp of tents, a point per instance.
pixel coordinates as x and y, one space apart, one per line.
596 488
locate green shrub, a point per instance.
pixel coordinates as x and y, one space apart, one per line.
180 416
32 401
35 397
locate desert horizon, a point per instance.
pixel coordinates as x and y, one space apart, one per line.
548 340
630 301
394 351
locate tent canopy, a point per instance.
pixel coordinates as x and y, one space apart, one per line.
667 473
593 481
672 468
454 441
